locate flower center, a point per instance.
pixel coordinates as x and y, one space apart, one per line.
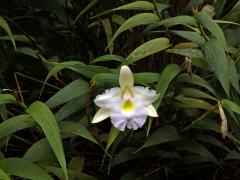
128 106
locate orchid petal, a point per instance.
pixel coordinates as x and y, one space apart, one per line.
101 114
106 99
151 111
126 77
145 95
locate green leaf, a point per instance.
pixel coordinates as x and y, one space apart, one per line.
194 147
111 137
86 70
4 25
71 91
213 126
77 129
166 77
71 107
191 92
44 117
109 57
185 102
89 6
161 135
208 23
15 124
7 99
136 20
188 52
23 168
233 155
148 48
38 151
211 140
217 60
231 105
233 74
191 36
3 175
108 31
197 80
139 5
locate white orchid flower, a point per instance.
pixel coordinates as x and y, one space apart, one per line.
127 105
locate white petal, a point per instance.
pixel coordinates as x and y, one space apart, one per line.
101 114
145 95
136 123
119 123
126 77
106 99
151 111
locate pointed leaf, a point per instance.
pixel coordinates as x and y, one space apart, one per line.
111 137
136 20
44 117
4 25
148 48
166 77
217 60
73 90
15 124
109 57
77 129
7 98
161 135
23 168
208 23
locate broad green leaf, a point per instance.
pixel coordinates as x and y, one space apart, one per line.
23 168
44 117
194 147
191 36
4 175
86 70
233 74
161 135
213 126
217 60
197 80
185 102
7 99
15 124
136 20
111 137
71 107
148 48
219 5
4 25
118 19
208 23
166 77
231 105
71 91
173 21
191 92
211 140
109 57
108 31
188 52
77 129
139 5
232 155
38 151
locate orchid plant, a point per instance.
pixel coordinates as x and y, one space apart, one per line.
127 105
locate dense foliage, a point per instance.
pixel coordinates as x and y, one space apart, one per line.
57 55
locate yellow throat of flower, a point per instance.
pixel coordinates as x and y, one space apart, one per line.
128 106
